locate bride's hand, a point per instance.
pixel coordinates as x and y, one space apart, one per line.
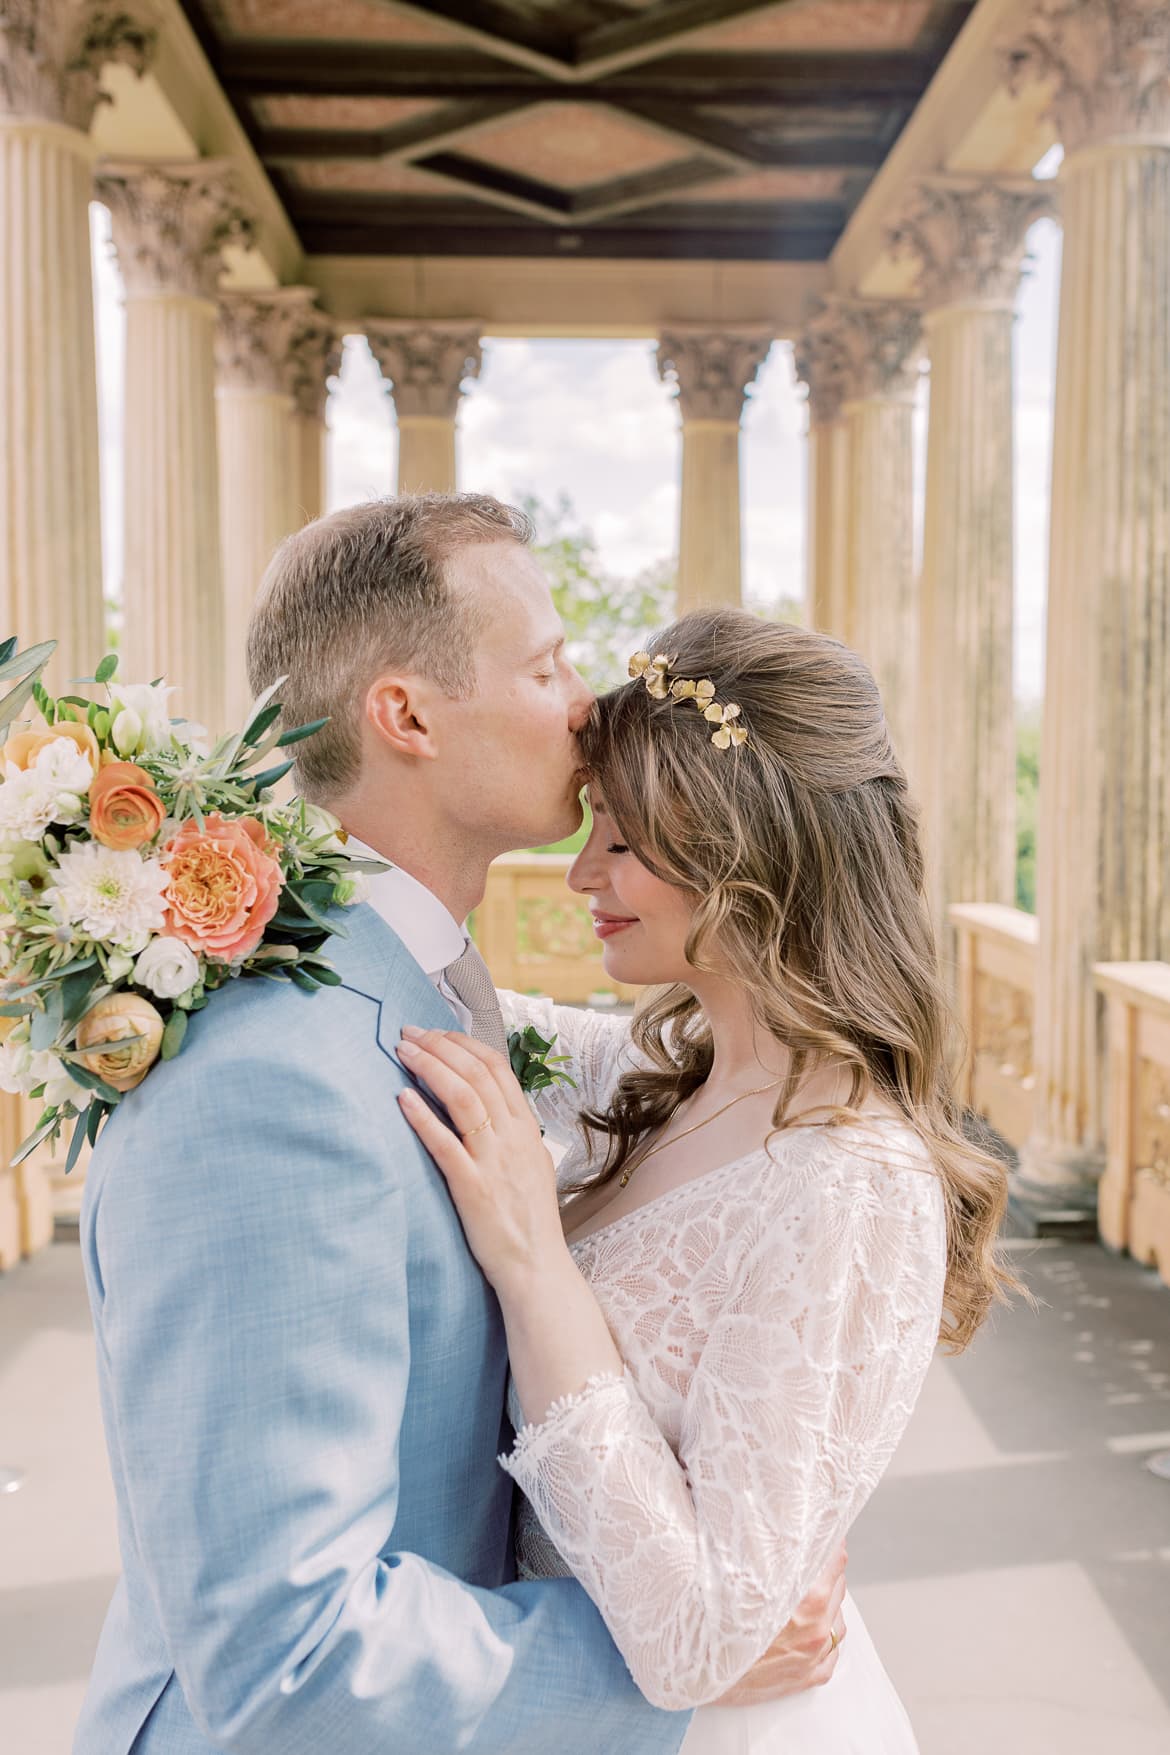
497 1167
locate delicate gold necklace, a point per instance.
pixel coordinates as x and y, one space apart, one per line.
674 1138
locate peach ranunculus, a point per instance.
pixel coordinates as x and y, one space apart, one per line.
112 1019
125 811
224 886
23 747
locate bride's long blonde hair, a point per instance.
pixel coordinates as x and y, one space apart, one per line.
802 852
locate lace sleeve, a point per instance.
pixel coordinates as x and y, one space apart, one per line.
821 1329
598 1046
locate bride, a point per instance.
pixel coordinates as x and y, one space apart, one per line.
767 1215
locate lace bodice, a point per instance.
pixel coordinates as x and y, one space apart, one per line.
776 1317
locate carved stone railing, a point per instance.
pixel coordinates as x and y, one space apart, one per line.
996 981
536 936
1134 1197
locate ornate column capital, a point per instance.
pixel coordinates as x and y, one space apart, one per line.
969 235
714 369
822 362
256 338
1108 62
425 364
314 357
171 222
875 346
52 53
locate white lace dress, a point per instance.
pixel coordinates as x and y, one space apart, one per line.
776 1317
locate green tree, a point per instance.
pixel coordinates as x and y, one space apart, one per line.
1027 791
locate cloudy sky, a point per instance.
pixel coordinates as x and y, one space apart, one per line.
591 420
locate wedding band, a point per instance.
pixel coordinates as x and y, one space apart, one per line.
486 1122
834 1642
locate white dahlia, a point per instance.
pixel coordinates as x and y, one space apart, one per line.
114 896
27 804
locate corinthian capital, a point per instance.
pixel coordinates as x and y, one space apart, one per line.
426 364
822 359
1108 62
875 344
314 357
256 336
713 368
969 235
171 223
52 53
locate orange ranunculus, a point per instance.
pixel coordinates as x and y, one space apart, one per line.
224 886
112 1019
125 811
23 747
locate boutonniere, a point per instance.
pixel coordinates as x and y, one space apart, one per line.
534 1063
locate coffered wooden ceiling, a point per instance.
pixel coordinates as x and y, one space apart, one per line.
602 128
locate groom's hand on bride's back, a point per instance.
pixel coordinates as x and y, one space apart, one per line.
804 1654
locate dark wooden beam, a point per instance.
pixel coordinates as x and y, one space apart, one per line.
656 30
569 206
446 123
354 69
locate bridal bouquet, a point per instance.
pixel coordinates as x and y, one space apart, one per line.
141 870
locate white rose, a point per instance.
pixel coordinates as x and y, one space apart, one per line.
65 767
352 890
126 732
148 701
167 968
61 1087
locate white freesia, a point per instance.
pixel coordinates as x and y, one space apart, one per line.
167 968
126 732
323 824
27 804
149 702
60 1086
115 896
15 1066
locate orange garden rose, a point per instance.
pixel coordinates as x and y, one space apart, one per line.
224 886
125 811
23 747
116 1016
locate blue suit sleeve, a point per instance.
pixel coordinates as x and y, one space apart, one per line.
249 1266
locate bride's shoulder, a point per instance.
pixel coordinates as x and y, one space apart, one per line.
879 1158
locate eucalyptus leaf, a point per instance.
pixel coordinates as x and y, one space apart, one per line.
46 1025
270 776
90 1081
78 1140
263 720
311 911
28 663
173 1034
304 981
106 668
300 732
6 651
95 1115
28 1146
12 1009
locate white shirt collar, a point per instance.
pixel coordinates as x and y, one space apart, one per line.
426 927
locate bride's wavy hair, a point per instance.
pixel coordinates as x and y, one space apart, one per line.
801 850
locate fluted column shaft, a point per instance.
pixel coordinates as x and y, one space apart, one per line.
714 370
308 447
881 586
967 747
829 512
426 454
256 478
1104 824
50 518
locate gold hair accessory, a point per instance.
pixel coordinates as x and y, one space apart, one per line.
653 672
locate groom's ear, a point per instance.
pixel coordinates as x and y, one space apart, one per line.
398 712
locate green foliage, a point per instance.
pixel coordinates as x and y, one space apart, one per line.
1027 791
605 618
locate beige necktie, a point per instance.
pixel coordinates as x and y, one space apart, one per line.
470 978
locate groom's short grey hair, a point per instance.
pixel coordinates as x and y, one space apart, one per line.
361 591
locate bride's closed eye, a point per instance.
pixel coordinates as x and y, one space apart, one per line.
616 847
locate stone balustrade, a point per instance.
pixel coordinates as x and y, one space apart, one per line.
1134 1194
536 936
996 949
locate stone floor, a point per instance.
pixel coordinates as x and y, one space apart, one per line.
1014 1566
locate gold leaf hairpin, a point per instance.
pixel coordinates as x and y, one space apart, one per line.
653 672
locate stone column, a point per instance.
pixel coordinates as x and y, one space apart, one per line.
425 366
170 224
714 370
821 365
315 357
51 56
878 347
257 480
968 237
1104 827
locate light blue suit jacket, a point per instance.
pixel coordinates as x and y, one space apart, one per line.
302 1376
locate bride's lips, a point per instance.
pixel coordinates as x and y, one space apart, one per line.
605 925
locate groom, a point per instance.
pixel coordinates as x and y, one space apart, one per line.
302 1370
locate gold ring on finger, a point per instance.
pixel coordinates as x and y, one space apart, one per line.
834 1642
470 1135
